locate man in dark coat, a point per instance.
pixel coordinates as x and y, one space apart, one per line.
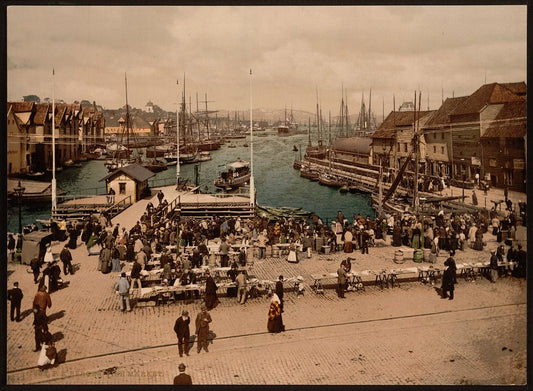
181 328
15 296
66 257
211 299
279 291
182 378
40 323
202 328
448 280
35 266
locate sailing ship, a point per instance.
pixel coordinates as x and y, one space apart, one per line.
288 126
120 152
236 175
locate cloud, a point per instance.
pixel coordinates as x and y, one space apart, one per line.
294 50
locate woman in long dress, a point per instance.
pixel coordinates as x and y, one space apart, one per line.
275 321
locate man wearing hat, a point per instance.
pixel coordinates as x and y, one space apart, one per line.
66 259
202 328
493 266
181 328
182 378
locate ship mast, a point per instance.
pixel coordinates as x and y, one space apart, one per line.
178 137
54 184
252 184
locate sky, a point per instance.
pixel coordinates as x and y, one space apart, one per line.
296 54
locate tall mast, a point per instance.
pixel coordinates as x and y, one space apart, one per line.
127 112
252 183
415 193
178 135
370 109
309 130
54 185
318 121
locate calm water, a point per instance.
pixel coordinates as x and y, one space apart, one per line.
276 182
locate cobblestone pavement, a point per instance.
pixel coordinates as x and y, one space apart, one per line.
403 335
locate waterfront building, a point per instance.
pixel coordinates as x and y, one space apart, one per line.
131 180
504 144
392 142
438 138
19 115
29 133
469 120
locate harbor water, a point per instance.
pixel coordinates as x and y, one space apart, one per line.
276 182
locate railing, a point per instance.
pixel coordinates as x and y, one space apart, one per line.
115 209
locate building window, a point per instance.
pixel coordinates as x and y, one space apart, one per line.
398 147
434 149
122 188
442 150
442 136
435 136
405 147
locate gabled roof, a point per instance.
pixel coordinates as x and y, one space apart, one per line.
518 88
442 115
21 107
134 171
487 94
510 122
397 119
41 113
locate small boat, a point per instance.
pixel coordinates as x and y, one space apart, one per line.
329 180
232 146
309 173
245 145
204 156
237 175
155 165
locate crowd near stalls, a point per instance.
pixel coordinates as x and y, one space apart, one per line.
183 254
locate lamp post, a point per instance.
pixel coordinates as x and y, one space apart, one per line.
464 178
19 190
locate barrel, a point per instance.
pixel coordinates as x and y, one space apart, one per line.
427 252
275 252
418 256
398 256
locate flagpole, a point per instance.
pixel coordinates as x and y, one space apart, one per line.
54 188
252 184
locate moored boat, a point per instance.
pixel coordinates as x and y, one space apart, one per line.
237 174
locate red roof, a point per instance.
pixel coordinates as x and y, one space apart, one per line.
487 94
21 107
397 119
41 113
442 115
518 88
510 122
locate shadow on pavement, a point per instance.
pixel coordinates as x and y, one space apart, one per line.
57 315
61 356
58 336
25 313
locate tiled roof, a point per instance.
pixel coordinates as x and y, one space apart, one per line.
135 171
20 107
518 88
40 113
511 121
487 94
442 115
395 120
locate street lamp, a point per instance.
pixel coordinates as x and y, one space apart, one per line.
19 190
464 178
